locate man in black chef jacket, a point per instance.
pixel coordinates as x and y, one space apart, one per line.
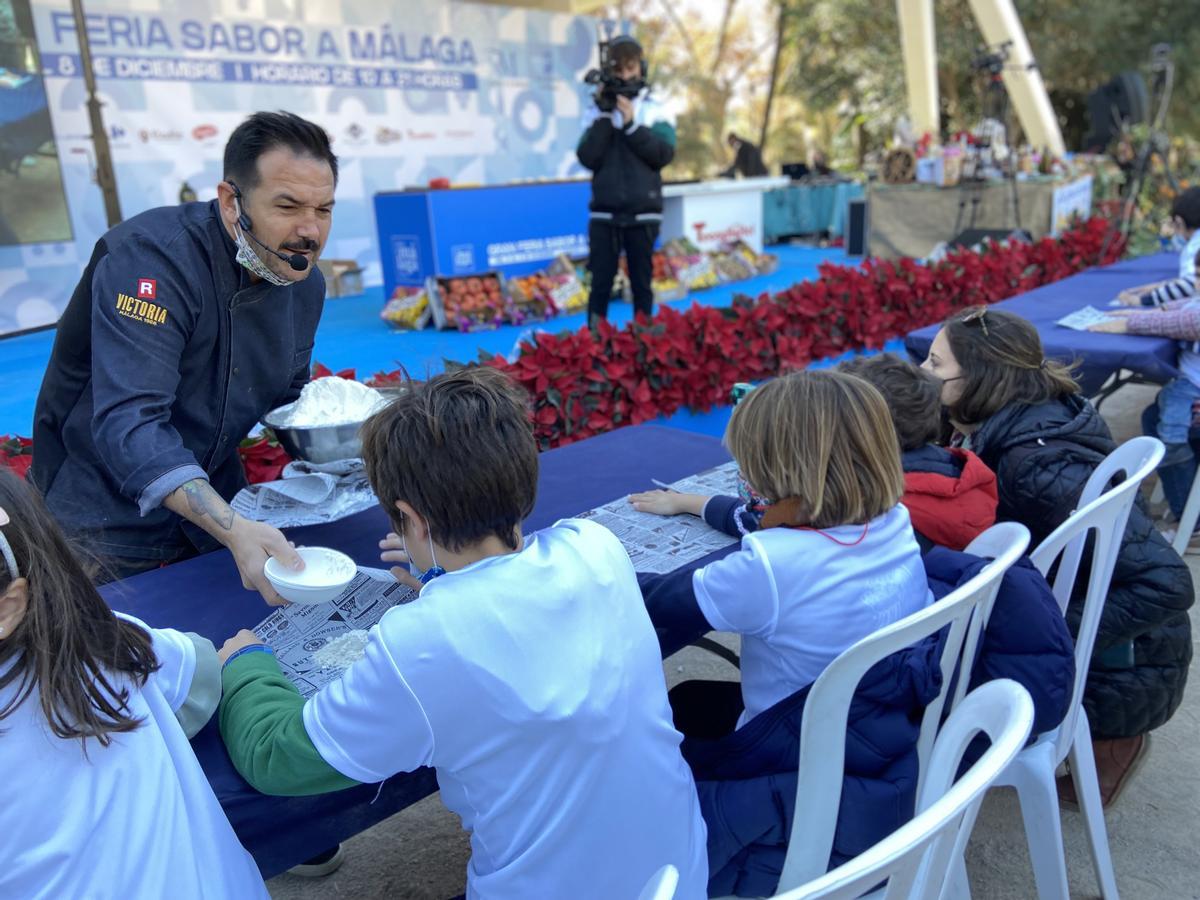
190 323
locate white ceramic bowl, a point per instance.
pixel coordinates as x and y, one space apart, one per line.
325 575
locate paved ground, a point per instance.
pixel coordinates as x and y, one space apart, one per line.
421 853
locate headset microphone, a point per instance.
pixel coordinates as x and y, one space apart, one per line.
297 261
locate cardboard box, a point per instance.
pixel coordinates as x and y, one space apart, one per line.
343 277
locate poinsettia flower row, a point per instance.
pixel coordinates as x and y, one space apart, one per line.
584 384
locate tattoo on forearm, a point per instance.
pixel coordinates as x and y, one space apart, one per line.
204 501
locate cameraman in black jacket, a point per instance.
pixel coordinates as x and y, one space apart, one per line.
627 146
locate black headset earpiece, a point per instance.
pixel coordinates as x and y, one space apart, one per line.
243 219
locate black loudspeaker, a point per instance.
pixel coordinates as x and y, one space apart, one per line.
1121 101
856 228
973 236
795 170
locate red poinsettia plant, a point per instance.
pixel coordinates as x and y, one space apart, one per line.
16 453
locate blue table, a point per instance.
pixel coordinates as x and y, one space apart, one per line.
1100 356
205 595
807 209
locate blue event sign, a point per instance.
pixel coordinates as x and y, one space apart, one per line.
474 230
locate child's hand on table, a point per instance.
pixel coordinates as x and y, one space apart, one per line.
668 503
393 553
244 638
1129 298
1112 326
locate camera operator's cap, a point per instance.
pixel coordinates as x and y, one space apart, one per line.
623 40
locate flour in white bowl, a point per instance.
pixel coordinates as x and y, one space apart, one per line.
330 401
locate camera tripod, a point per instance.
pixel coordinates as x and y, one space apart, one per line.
995 106
1156 146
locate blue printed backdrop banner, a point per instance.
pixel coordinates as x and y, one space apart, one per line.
409 91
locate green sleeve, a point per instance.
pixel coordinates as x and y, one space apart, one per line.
665 131
263 729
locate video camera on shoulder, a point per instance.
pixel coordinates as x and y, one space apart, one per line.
614 54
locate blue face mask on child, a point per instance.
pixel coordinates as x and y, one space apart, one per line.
426 576
754 503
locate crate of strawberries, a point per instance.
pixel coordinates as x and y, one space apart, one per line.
468 303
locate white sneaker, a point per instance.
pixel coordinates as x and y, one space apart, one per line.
319 866
1193 545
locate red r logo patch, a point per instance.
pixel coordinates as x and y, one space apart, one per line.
147 288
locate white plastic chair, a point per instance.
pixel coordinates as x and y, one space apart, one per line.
661 885
823 727
1187 522
1104 512
916 858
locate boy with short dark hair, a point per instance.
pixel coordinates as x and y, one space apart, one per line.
526 671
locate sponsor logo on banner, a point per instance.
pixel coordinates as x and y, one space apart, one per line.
463 257
204 132
461 134
356 134
406 255
385 135
147 288
140 310
116 132
159 135
730 233
421 135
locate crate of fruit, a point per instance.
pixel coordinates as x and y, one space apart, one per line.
408 309
469 303
531 298
763 263
732 267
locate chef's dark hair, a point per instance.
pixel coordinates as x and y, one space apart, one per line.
264 132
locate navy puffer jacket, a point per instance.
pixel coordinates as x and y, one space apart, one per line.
747 780
1043 455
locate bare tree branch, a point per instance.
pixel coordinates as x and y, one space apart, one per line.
780 24
722 35
688 43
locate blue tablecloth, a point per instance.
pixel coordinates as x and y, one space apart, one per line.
1099 355
807 209
205 595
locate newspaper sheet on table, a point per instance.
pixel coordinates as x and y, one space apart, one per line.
296 632
662 544
308 494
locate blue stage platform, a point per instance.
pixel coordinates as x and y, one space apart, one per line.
352 335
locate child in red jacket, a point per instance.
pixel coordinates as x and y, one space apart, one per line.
950 493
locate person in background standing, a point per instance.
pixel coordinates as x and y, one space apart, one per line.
626 149
747 161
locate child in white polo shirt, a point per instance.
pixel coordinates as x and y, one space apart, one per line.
100 793
527 671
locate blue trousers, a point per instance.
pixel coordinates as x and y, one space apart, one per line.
1170 419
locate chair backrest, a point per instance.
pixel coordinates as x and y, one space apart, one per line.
661 885
1003 544
823 728
916 859
1104 512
